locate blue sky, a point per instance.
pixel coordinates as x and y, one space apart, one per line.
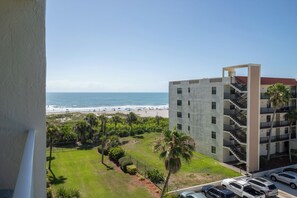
140 45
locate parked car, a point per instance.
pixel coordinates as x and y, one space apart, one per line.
213 192
262 185
191 194
290 169
242 188
285 177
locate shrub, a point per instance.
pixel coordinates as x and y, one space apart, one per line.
99 148
131 169
125 163
116 153
123 159
155 176
124 133
141 178
67 193
49 192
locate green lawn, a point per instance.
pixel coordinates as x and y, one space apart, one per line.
81 169
202 169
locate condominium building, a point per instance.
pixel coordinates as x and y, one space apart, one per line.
22 100
229 117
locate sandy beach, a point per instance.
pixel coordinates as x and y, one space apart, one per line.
140 112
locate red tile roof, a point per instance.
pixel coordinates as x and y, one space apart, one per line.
270 81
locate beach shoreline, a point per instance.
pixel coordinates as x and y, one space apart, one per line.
140 112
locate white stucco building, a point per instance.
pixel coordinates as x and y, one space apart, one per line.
229 117
22 100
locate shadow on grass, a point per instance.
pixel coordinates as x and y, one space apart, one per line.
48 158
138 136
56 180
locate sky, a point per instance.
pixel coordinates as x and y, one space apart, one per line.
141 45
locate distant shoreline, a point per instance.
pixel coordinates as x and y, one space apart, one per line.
140 112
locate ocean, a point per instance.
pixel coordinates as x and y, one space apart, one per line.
59 102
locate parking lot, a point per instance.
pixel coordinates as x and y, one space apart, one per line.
284 190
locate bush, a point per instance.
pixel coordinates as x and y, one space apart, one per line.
99 148
125 163
131 169
124 133
49 192
67 193
155 176
123 159
116 153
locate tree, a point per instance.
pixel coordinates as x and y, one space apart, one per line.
279 95
173 146
91 119
116 119
292 117
131 118
52 132
81 127
103 120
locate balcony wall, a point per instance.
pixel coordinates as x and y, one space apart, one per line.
22 88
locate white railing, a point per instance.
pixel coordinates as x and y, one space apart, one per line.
24 184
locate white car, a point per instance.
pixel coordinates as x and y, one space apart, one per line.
262 185
242 188
285 177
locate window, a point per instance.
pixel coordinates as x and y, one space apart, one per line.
179 114
213 135
267 147
189 128
189 103
286 130
213 120
179 102
268 118
189 115
235 185
213 149
213 90
213 105
179 91
179 127
267 133
189 90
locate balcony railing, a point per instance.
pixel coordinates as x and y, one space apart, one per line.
238 133
264 125
237 116
277 138
281 110
24 184
264 96
238 152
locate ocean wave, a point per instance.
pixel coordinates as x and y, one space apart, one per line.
55 108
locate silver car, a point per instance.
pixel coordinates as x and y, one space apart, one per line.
285 177
262 185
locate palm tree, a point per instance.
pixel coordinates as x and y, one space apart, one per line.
93 122
279 95
116 119
81 127
103 120
52 132
174 145
292 117
131 118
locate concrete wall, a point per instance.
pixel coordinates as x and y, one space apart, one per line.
22 88
201 98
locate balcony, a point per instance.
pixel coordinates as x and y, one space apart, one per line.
237 133
24 183
236 116
264 125
264 96
277 138
236 150
265 110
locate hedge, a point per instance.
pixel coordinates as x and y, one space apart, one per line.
131 169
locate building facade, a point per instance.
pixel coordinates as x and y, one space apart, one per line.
229 117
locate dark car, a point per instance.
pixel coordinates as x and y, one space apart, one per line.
213 192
